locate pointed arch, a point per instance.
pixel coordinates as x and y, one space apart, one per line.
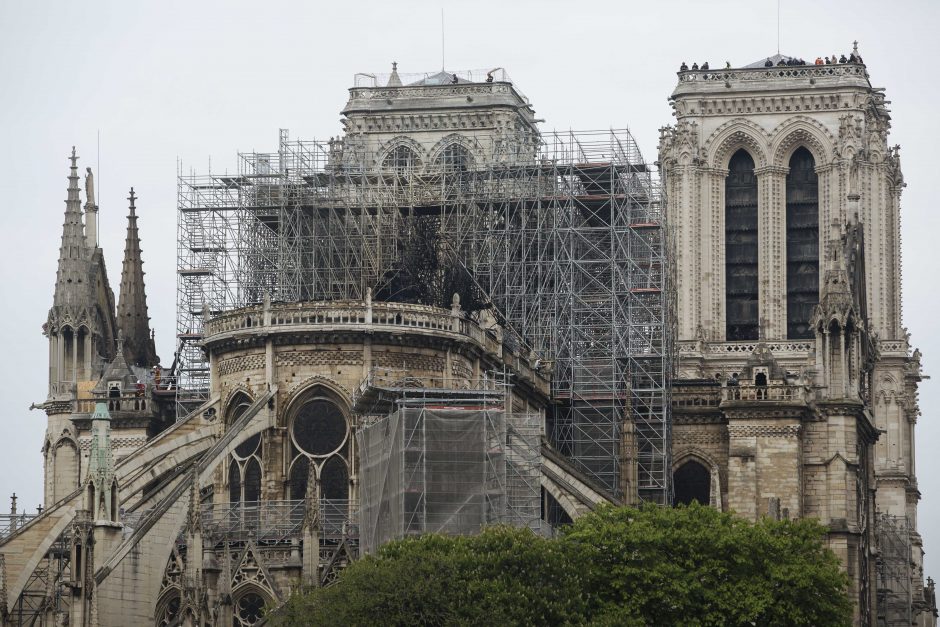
390 147
741 249
66 466
802 242
457 152
731 137
238 401
797 132
696 476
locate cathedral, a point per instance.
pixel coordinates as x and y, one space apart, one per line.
445 318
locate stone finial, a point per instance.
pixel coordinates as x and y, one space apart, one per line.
131 199
394 80
13 504
855 47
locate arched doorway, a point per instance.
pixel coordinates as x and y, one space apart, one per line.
692 482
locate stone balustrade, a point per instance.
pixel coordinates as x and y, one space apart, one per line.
775 73
126 402
746 348
349 315
774 393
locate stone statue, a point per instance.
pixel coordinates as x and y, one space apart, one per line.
90 186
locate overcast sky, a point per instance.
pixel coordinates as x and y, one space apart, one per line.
184 82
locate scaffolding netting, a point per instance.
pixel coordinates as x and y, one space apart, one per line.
452 471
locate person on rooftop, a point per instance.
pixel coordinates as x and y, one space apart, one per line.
705 65
727 65
842 59
454 79
819 61
828 62
694 65
683 67
768 63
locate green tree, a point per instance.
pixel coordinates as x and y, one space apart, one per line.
617 566
697 566
503 576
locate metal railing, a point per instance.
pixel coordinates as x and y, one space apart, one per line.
9 523
275 520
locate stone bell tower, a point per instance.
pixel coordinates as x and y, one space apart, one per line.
784 200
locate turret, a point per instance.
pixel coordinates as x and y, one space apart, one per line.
101 489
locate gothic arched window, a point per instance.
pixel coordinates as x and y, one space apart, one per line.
319 435
245 471
692 482
401 159
802 244
741 281
455 157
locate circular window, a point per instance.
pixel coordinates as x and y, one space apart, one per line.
319 428
248 610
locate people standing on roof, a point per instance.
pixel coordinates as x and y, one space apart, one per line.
768 63
842 59
694 66
454 80
819 61
683 67
705 65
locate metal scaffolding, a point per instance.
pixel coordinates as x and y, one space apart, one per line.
894 568
561 237
427 469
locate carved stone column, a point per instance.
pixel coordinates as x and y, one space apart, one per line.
772 250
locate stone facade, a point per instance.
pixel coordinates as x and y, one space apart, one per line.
812 421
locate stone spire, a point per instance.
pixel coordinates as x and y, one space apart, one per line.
133 320
74 254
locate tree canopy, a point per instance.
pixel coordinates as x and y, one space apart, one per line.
617 566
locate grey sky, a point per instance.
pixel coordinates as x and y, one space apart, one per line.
173 80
